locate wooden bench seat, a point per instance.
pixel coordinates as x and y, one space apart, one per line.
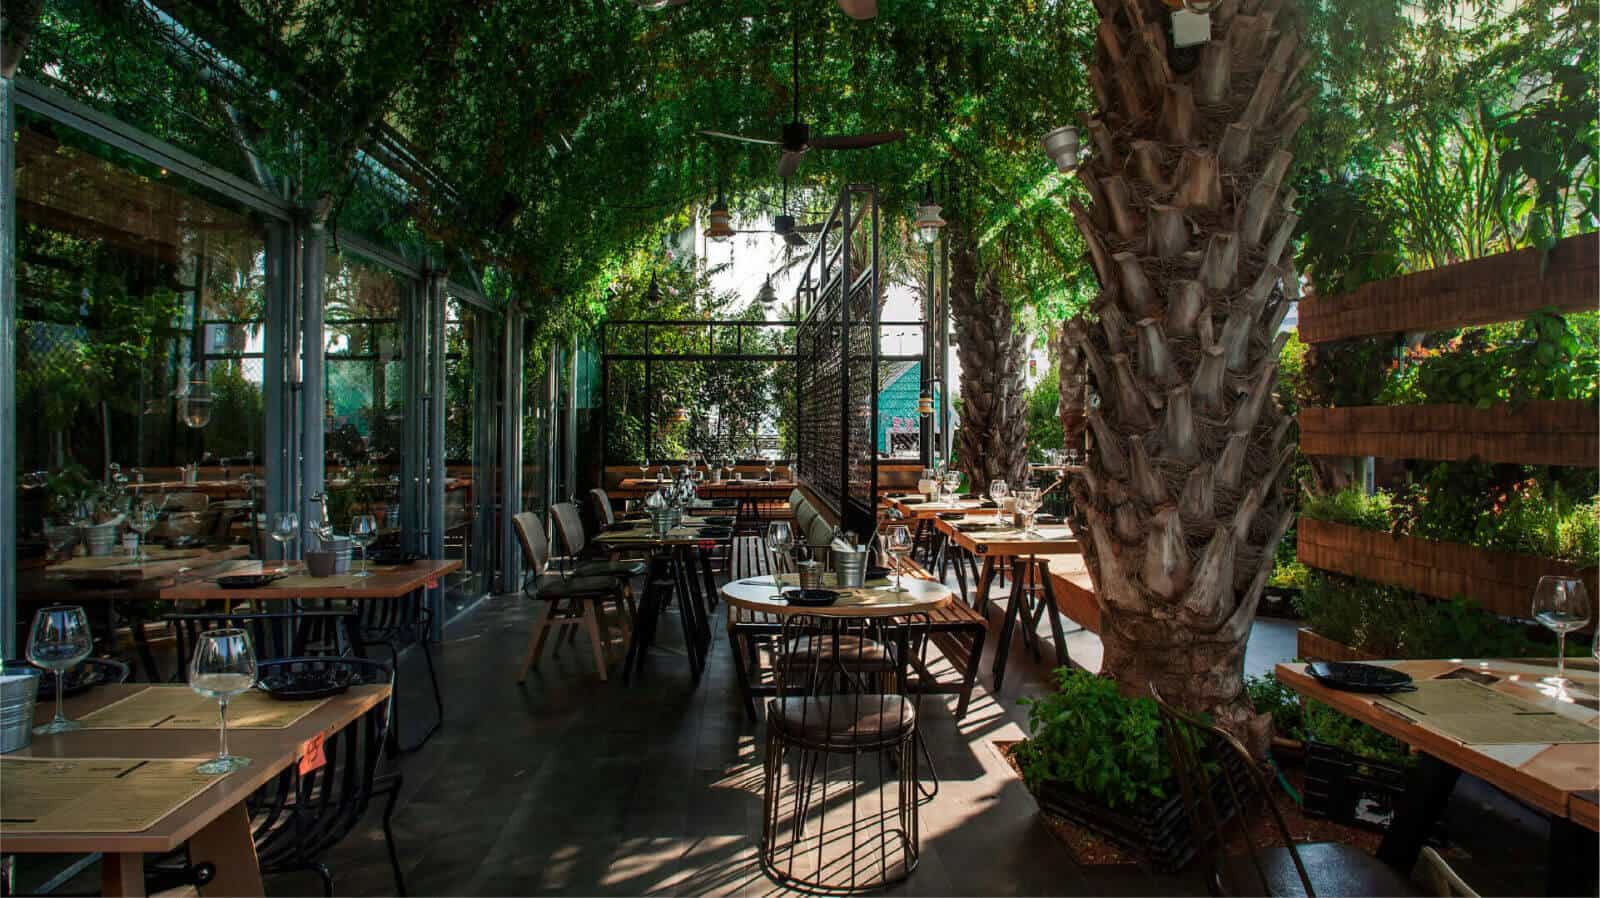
1074 590
957 630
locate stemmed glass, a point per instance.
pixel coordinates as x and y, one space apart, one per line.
771 466
59 535
1561 604
1028 502
364 530
224 665
898 545
998 491
285 527
780 541
60 638
142 518
952 481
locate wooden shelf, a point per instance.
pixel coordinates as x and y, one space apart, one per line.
1500 582
1505 287
1561 432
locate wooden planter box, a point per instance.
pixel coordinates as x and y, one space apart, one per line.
1503 287
1311 645
1555 432
1501 582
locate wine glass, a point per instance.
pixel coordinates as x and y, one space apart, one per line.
998 491
1028 502
364 530
898 545
771 466
780 541
1561 604
60 638
59 535
142 518
285 527
952 481
223 666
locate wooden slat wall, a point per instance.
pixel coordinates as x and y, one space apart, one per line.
1501 582
1563 432
1503 287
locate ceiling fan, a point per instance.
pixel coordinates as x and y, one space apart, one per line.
796 139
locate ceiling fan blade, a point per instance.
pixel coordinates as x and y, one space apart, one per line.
726 136
859 9
790 161
856 141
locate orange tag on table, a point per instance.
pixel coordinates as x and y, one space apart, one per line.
311 755
433 583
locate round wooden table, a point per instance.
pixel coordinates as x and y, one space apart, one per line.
761 594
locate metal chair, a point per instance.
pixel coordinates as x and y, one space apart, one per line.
394 625
567 601
104 670
841 697
273 634
1221 799
298 817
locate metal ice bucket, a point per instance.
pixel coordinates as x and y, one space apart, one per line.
19 688
850 566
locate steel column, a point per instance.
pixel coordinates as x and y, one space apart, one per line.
481 550
278 370
414 439
436 471
313 420
8 368
569 447
510 448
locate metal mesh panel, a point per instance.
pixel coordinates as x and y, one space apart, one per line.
821 370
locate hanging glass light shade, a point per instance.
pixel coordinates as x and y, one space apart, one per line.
1061 145
767 295
928 222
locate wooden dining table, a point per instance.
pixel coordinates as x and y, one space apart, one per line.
386 582
1498 720
679 562
215 822
994 541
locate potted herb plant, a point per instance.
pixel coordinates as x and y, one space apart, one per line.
1098 759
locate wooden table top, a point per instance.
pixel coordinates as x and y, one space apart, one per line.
708 488
1052 539
124 569
918 511
1561 779
386 582
875 600
269 751
640 536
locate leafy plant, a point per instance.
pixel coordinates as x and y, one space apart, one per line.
1326 725
1269 696
1044 421
1546 356
1353 506
1089 737
1390 622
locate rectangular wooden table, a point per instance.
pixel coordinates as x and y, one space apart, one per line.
215 822
679 561
386 582
1028 573
1561 779
925 510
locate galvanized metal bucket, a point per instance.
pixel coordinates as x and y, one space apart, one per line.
850 566
19 689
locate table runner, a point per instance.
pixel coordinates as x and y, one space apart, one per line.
95 795
180 708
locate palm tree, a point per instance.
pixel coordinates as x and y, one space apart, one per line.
993 349
1182 502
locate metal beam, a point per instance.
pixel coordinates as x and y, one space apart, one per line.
511 448
313 374
435 476
277 362
8 369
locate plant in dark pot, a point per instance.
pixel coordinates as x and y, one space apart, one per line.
1097 758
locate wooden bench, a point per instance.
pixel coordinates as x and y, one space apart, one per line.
957 630
1074 590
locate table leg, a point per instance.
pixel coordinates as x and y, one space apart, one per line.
1574 854
644 627
122 874
226 844
1427 792
1057 632
1002 647
985 583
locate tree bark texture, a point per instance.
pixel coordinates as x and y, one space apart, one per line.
1183 499
993 437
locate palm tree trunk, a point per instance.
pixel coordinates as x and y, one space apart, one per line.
1188 232
992 441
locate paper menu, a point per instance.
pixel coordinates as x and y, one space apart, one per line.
94 795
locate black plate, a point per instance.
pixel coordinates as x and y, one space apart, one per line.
306 685
875 572
810 598
988 503
246 581
952 515
976 526
392 557
1353 677
1042 518
912 500
721 520
715 532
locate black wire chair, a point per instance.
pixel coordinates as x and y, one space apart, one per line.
842 698
1223 790
273 634
394 625
297 817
